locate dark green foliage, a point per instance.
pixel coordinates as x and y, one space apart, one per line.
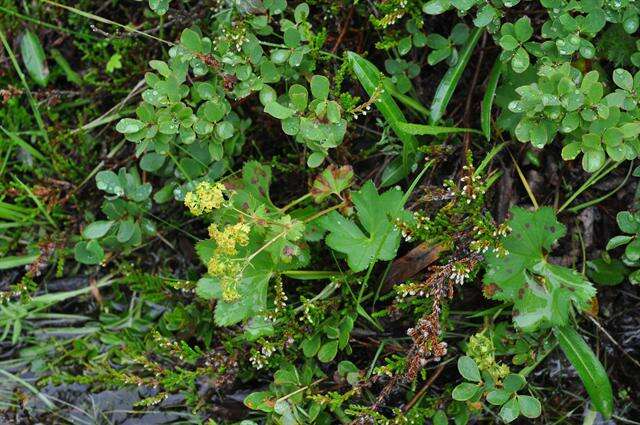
287 213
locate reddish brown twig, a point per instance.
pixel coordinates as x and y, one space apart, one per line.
424 389
343 32
474 82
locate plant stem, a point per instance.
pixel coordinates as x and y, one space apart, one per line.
282 46
295 202
323 212
603 197
596 177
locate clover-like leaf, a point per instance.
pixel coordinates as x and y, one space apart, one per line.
109 182
89 252
520 60
513 382
191 40
523 29
628 222
310 346
159 6
623 79
129 125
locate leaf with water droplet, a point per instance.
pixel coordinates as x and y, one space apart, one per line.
520 60
623 79
129 125
109 182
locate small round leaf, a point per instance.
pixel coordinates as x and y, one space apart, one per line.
464 391
328 351
529 406
469 369
510 410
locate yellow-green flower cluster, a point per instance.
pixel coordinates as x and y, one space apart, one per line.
481 350
230 237
205 198
228 270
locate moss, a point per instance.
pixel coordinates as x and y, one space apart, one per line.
616 46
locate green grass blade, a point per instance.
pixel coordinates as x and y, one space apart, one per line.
12 261
370 78
393 172
433 130
23 144
608 167
46 300
28 386
589 368
14 225
599 199
310 274
450 80
525 183
20 16
97 18
487 100
404 99
488 158
23 80
70 74
36 200
13 212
